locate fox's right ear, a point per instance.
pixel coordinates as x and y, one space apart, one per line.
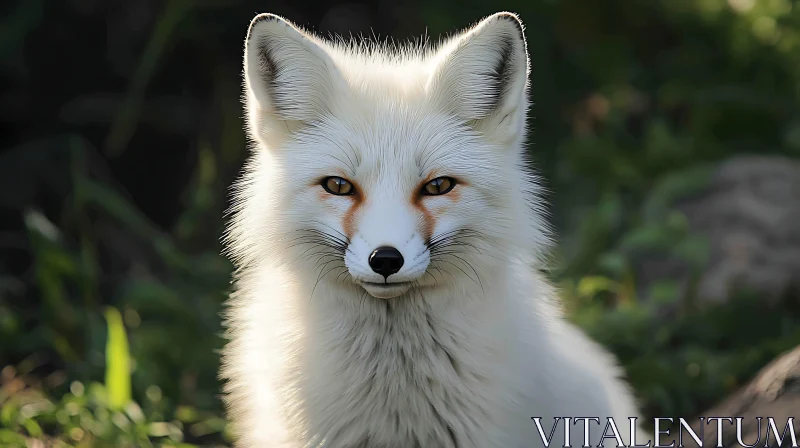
482 75
289 76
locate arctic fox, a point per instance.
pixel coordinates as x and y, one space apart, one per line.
388 239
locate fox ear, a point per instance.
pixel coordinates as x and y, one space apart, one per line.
289 76
483 73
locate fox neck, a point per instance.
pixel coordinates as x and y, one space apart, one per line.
464 327
423 348
473 305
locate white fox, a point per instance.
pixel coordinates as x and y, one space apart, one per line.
388 240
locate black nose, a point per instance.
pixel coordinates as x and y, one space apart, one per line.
386 261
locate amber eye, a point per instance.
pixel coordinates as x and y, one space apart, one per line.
440 185
338 186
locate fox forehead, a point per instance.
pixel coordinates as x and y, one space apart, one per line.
388 153
393 144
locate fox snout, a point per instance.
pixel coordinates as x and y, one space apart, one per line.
384 271
387 252
385 261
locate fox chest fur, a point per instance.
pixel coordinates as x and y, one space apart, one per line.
402 375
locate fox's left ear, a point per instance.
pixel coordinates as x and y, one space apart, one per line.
482 75
290 79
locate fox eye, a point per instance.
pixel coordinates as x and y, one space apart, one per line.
337 186
440 185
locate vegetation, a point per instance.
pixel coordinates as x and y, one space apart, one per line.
122 131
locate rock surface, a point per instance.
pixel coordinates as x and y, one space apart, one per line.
749 213
774 392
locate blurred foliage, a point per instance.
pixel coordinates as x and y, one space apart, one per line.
85 416
122 130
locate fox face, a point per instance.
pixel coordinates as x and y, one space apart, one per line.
398 202
385 171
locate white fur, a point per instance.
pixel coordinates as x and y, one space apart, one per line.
477 346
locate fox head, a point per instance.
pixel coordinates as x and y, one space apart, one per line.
387 170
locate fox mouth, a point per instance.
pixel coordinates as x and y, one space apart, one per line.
385 284
385 290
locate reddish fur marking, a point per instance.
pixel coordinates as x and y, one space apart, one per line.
455 193
428 220
349 218
428 215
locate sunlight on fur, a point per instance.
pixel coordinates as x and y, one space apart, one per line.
389 235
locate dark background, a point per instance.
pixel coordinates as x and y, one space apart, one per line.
122 130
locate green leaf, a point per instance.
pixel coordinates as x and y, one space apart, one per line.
590 286
32 427
118 376
613 263
11 438
674 187
665 291
117 206
648 237
694 249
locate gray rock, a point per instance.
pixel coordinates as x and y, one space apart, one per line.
775 393
749 214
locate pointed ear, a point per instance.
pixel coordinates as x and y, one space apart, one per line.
289 77
482 75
